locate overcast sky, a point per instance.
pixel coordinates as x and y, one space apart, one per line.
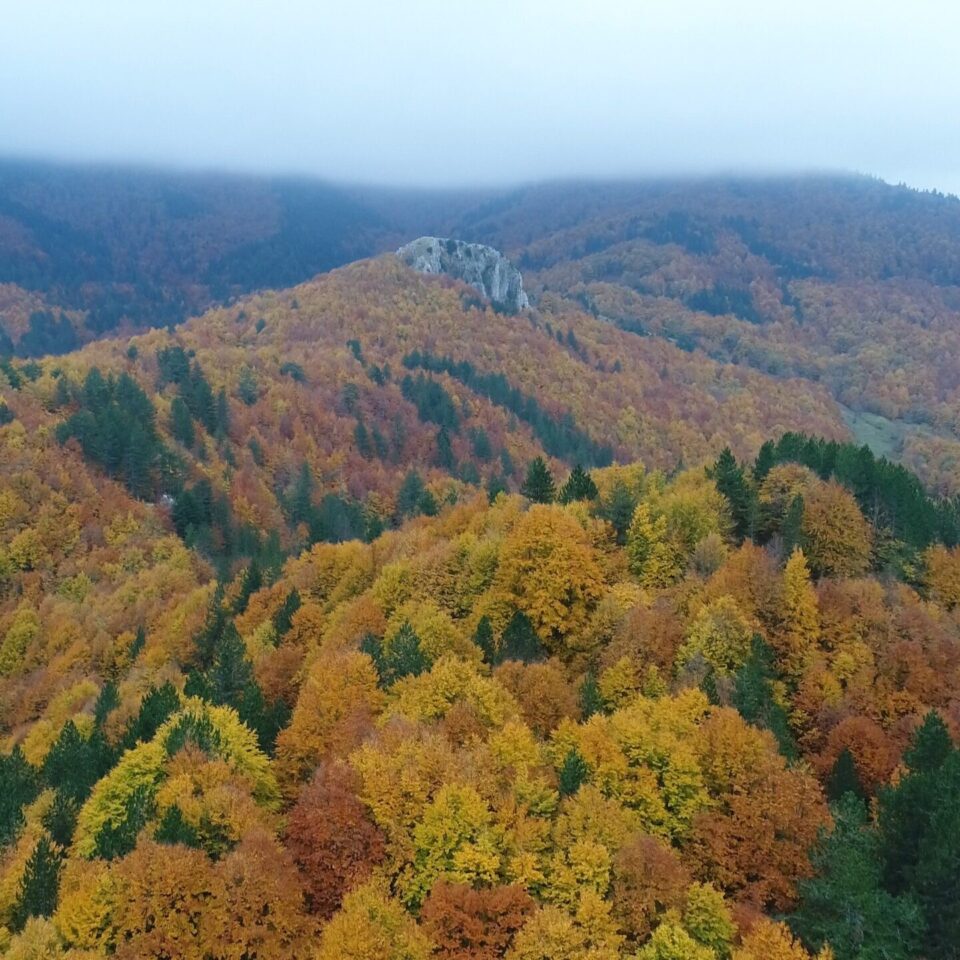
463 91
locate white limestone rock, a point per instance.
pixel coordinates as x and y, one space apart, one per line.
484 268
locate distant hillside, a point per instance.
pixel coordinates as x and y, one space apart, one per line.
136 248
844 282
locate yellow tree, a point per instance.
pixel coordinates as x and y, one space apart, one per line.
834 531
942 574
720 634
549 569
337 703
795 640
372 926
653 560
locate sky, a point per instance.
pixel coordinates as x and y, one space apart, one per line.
429 93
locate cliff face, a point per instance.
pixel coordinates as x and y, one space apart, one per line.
482 267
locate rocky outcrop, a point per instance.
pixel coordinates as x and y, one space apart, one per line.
484 268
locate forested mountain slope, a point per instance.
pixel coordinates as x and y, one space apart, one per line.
603 719
845 281
344 385
357 620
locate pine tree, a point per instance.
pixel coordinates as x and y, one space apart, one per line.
445 450
906 809
617 509
538 487
301 501
61 819
791 531
731 481
404 657
520 641
74 764
410 495
19 782
252 581
222 415
174 829
361 437
846 906
765 462
753 696
39 884
573 773
844 778
181 423
283 618
591 701
579 486
496 484
247 389
158 704
484 639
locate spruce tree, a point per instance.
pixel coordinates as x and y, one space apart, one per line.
589 695
181 423
538 487
731 481
846 905
19 782
579 486
39 884
573 773
844 778
520 641
484 639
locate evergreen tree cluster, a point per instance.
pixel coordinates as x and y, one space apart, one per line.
888 887
115 425
195 392
889 495
561 437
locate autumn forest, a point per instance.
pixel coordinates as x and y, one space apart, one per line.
347 615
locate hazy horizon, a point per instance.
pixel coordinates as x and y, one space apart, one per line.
433 95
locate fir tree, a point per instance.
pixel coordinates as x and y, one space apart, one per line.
39 884
845 905
538 487
589 695
573 773
731 481
181 423
484 639
19 782
579 486
844 778
520 641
